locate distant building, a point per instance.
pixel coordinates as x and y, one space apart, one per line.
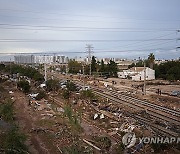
44 59
60 59
81 59
107 60
137 74
22 59
123 64
41 59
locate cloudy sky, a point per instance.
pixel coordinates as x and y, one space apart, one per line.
115 28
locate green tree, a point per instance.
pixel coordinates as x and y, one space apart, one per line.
93 64
112 68
151 59
52 85
2 67
102 68
169 70
74 67
25 71
38 77
24 85
173 73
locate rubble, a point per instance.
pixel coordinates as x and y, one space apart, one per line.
102 116
59 109
96 116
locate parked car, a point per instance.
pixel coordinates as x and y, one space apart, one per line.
175 93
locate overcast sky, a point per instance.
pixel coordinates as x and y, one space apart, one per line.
137 27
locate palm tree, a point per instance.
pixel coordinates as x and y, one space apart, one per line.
151 59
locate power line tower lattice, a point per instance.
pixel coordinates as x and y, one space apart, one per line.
89 50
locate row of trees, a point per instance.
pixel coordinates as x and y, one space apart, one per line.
97 67
24 71
169 70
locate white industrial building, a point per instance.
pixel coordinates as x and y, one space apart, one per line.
137 73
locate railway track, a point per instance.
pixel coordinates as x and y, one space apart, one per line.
138 101
172 115
157 128
155 113
142 120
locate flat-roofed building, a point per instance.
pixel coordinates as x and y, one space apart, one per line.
24 59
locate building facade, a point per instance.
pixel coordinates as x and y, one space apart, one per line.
137 74
41 59
22 59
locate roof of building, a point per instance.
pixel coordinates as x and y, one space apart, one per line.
137 69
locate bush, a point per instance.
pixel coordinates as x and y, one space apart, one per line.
13 142
71 86
24 85
41 95
159 147
103 142
66 94
73 118
87 94
6 111
52 85
2 67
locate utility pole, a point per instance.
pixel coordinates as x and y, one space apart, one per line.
66 69
45 72
89 48
10 67
144 89
83 76
45 69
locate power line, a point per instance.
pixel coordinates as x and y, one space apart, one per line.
138 42
75 20
53 40
96 51
79 30
85 28
80 15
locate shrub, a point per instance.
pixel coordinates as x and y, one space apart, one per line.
24 85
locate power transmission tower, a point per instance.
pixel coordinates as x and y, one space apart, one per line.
89 48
